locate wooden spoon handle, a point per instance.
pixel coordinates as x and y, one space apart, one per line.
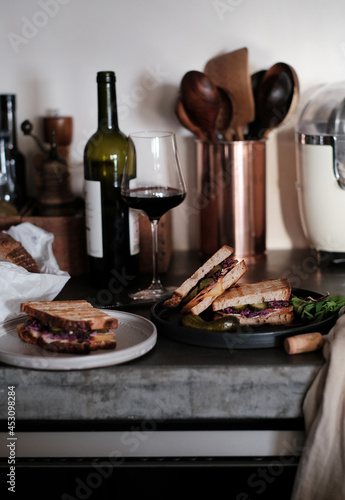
187 122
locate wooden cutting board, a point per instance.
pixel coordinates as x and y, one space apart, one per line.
231 72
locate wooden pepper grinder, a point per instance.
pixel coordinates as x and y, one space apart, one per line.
55 197
61 128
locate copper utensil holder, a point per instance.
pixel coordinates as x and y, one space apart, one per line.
232 196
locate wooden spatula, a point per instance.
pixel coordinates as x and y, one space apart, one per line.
231 72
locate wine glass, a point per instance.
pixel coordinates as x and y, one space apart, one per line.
153 183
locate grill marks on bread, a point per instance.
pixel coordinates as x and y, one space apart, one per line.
13 251
250 293
256 293
205 297
182 291
79 322
69 314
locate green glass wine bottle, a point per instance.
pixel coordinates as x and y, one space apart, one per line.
112 230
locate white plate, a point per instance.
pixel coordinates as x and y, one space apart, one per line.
135 336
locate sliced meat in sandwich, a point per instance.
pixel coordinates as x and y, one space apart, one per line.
217 274
264 302
72 326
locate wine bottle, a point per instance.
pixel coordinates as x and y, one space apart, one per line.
16 160
7 208
112 229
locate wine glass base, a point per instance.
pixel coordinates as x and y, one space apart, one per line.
152 294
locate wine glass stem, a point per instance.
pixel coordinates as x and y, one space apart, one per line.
156 283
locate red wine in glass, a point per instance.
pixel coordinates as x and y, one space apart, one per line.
154 201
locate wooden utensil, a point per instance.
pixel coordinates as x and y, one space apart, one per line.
278 95
231 72
201 101
224 116
255 81
187 122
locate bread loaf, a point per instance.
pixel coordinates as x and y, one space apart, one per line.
13 251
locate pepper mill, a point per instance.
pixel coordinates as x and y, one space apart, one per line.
61 128
55 197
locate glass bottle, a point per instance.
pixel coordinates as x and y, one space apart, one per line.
112 229
7 208
16 159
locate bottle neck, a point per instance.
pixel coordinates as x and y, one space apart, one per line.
107 108
8 122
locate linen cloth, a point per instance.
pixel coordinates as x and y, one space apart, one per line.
17 284
321 470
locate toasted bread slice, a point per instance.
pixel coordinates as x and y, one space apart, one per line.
251 293
69 314
54 343
182 291
206 297
13 251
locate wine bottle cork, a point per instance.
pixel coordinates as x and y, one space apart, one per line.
305 342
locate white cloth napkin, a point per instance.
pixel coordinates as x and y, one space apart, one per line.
321 471
17 284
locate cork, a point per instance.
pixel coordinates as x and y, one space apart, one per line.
305 342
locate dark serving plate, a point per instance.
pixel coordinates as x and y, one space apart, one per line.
168 322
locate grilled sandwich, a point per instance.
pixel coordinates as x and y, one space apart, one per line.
264 302
72 326
217 274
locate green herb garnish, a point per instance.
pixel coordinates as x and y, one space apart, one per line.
311 310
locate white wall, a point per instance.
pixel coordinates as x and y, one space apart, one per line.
51 51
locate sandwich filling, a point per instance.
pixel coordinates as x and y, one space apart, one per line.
256 310
211 282
79 334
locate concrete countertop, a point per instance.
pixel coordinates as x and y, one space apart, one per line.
176 381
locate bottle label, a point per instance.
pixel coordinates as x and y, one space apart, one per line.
93 218
134 232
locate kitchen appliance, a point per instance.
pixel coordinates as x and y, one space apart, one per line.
320 146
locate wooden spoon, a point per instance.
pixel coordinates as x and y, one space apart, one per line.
224 117
231 72
254 126
201 101
277 97
187 122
